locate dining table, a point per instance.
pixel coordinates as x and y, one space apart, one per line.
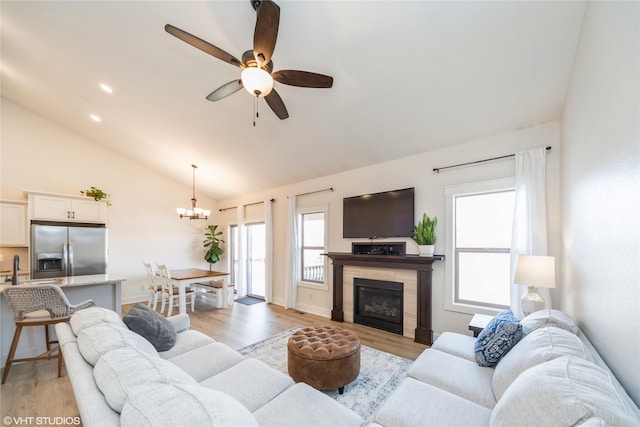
187 276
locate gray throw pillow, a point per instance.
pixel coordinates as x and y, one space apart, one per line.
152 326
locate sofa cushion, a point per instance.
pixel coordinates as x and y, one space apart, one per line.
303 405
97 340
120 370
158 405
241 382
542 318
565 391
415 403
541 345
502 332
185 342
152 326
456 344
456 375
180 322
94 316
206 361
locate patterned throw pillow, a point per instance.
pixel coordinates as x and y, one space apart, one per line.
503 332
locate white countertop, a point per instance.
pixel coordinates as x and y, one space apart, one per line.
73 281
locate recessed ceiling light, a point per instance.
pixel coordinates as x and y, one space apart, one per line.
106 88
95 118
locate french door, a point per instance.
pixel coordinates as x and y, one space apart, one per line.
254 258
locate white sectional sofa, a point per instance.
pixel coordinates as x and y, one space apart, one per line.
119 378
552 377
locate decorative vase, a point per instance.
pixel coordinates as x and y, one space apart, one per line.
426 250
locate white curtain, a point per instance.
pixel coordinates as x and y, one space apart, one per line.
292 269
268 257
529 235
241 279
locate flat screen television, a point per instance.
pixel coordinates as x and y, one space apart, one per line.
386 214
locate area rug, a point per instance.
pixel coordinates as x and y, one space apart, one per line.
249 300
380 373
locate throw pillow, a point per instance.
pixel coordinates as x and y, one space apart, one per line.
539 346
152 326
567 391
121 370
183 405
100 339
552 317
93 316
502 332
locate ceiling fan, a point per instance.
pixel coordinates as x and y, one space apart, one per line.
257 68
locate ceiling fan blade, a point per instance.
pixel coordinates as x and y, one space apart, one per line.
266 31
302 78
203 45
275 102
225 90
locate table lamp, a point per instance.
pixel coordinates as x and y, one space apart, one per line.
534 271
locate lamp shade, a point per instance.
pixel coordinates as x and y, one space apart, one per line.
256 81
536 270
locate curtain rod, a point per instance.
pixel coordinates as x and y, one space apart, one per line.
248 204
437 170
314 192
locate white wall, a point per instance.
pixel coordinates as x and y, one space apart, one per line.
601 187
415 171
37 154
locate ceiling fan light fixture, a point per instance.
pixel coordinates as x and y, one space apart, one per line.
257 81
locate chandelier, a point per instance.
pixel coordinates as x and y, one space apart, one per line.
194 212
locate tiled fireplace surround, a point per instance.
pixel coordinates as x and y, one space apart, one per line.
413 271
410 288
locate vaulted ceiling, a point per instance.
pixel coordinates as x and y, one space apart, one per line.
409 77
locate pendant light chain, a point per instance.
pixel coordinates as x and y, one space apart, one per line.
193 184
255 110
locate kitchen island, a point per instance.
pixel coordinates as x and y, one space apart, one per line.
103 289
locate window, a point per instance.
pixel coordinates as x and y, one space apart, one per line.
479 224
313 237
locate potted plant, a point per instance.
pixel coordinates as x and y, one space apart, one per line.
97 195
212 245
425 235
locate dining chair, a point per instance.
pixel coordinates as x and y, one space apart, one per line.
154 286
171 293
38 306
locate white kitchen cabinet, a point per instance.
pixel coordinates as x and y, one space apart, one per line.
13 224
54 207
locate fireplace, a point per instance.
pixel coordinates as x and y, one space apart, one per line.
378 304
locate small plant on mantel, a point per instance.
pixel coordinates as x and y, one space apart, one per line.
97 195
425 235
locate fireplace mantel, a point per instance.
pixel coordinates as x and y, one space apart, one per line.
423 267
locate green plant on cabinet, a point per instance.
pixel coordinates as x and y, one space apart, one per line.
97 195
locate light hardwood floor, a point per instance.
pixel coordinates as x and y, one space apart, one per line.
34 390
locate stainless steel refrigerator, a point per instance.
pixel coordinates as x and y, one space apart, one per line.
67 249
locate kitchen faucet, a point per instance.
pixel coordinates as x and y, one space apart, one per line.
16 267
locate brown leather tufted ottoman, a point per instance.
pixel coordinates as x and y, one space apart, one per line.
325 357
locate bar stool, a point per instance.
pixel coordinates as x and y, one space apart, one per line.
38 306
